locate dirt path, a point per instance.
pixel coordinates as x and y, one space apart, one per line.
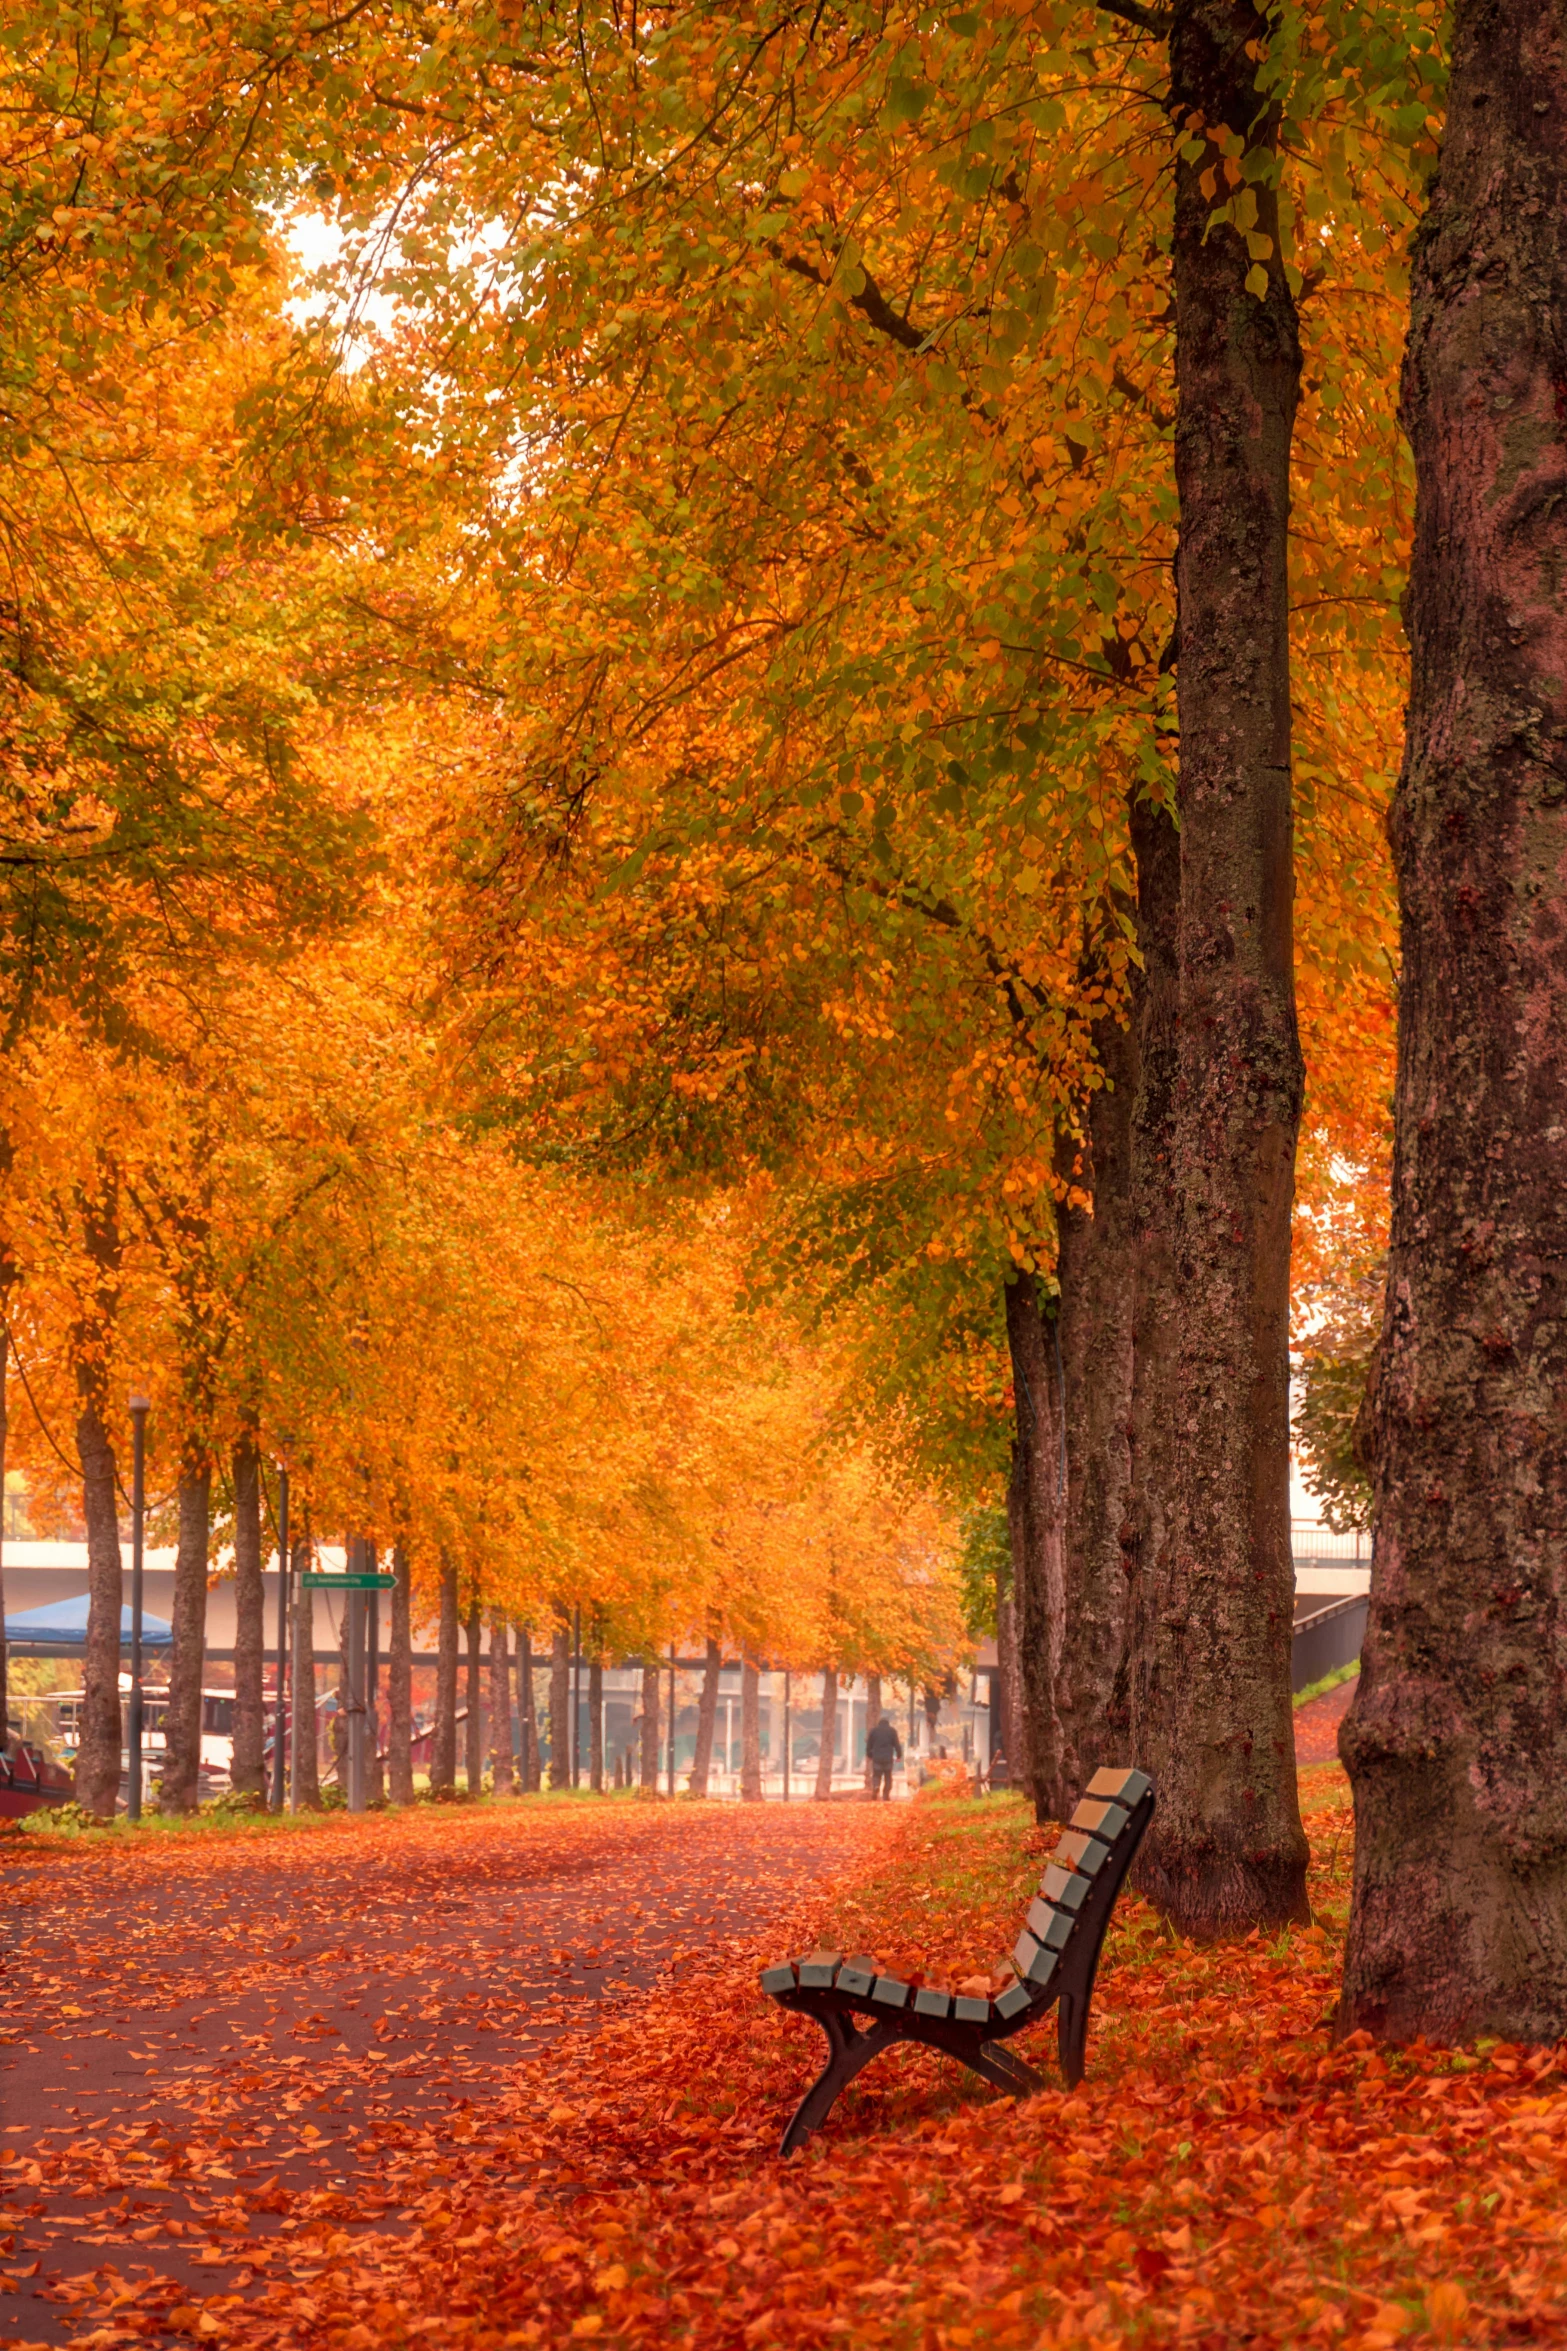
205 2043
1316 1724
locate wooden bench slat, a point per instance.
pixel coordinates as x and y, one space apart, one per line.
1104 1821
1068 1889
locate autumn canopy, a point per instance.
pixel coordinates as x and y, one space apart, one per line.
702 886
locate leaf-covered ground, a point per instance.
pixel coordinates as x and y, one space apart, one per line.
1227 2175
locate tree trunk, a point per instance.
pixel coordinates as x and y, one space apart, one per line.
649 1760
250 1633
1213 1722
872 1716
560 1707
706 1719
98 1758
500 1707
1037 1517
1095 1320
596 1725
750 1730
304 1726
530 1717
399 1684
824 1757
1457 1739
1011 1678
180 1788
473 1742
443 1741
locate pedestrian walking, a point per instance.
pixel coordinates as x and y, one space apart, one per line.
883 1749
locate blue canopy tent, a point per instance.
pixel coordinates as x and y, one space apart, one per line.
61 1627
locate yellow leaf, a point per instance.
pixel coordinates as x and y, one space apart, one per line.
1257 280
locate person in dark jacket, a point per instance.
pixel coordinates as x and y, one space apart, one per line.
883 1748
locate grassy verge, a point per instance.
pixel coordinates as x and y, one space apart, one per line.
1329 1681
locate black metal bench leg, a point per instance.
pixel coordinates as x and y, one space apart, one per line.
848 2050
1003 2071
1077 1991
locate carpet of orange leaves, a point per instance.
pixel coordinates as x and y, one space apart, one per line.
1226 2176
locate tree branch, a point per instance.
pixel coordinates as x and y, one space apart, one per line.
1158 21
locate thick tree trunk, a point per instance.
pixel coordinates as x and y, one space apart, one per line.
750 1730
824 1757
596 1725
304 1723
1457 1739
98 1758
560 1707
250 1635
649 1756
531 1779
706 1719
1212 1718
1011 1676
1037 1518
872 1716
399 1684
500 1707
443 1741
473 1742
180 1788
1094 1272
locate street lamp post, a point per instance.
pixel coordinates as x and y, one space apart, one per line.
140 1407
282 1638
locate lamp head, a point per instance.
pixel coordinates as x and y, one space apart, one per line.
140 1405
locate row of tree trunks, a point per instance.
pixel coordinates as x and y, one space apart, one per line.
1172 1325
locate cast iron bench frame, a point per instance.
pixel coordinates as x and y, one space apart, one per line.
1056 1956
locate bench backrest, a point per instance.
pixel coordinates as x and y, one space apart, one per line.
1099 1838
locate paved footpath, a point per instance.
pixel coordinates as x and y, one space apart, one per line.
196 2034
1316 1724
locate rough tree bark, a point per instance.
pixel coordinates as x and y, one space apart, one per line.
750 1730
1457 1739
596 1725
500 1706
1095 1319
304 1723
1036 1513
560 1707
824 1758
1211 1694
648 1775
399 1684
872 1717
473 1742
250 1641
1010 1672
706 1718
443 1735
180 1787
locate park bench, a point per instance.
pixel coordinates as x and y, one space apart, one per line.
1057 1958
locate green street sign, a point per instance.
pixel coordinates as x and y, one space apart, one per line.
315 1581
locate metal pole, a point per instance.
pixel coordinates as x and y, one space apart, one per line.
372 1668
140 1408
279 1725
671 1718
576 1692
353 1686
787 1736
